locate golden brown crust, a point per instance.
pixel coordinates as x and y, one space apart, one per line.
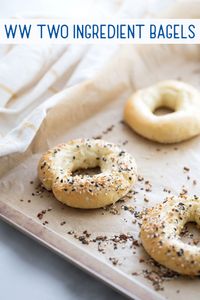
160 230
118 173
182 124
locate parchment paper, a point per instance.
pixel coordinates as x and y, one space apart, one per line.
94 107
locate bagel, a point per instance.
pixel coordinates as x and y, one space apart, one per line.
183 123
160 234
118 173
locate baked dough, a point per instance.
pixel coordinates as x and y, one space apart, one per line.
118 173
160 230
183 123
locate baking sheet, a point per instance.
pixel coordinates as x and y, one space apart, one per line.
105 241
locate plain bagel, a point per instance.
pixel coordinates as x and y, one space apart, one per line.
118 173
160 234
183 123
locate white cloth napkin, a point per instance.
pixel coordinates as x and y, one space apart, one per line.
22 66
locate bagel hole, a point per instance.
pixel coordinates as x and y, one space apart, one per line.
190 234
163 110
89 171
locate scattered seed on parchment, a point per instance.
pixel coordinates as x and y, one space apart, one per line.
140 178
125 142
45 222
62 223
186 169
41 214
114 261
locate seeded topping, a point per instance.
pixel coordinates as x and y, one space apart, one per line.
161 229
117 169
